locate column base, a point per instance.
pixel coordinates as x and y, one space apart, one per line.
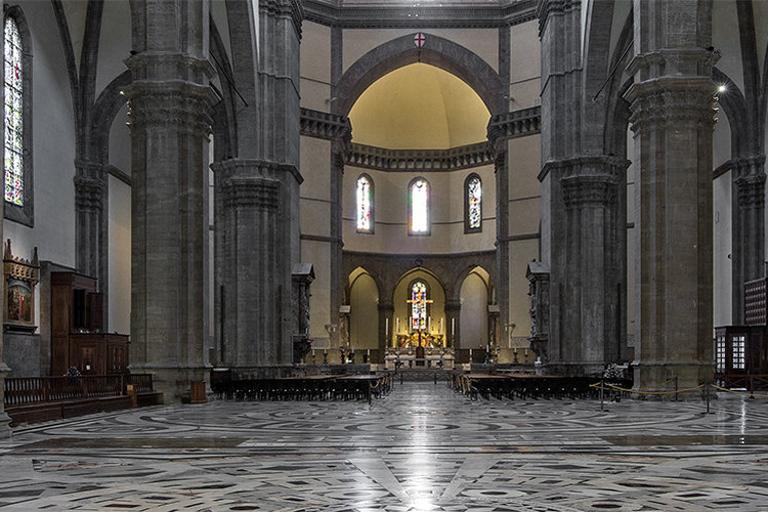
5 420
576 369
175 383
651 376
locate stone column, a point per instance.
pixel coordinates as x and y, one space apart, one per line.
386 327
453 323
255 264
672 104
170 105
594 240
748 249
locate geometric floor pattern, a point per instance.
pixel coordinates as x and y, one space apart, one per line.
421 448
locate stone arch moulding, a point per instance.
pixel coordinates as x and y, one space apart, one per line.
438 52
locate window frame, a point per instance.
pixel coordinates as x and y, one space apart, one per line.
23 214
467 181
428 231
370 230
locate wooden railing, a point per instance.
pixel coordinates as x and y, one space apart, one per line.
750 382
142 382
33 390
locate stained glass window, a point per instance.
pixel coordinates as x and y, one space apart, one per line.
420 206
419 306
364 204
14 127
474 203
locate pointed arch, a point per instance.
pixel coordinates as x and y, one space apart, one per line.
438 52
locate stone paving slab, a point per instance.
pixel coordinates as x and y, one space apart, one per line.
421 448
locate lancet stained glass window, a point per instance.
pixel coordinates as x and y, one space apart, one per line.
14 104
364 204
474 203
419 306
420 206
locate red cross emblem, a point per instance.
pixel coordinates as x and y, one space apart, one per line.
419 40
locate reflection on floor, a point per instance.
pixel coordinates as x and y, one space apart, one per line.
422 448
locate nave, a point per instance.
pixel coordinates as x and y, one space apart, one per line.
423 447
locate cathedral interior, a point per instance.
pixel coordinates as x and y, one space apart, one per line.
266 187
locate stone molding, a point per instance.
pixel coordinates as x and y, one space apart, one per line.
288 8
677 63
604 165
255 193
511 125
454 159
746 167
252 168
547 8
671 100
89 193
171 103
420 16
323 125
168 66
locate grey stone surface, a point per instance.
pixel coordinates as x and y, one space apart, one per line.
22 354
672 102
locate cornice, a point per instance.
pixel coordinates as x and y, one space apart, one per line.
323 125
419 16
401 160
511 125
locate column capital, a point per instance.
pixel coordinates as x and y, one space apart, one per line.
184 105
252 193
749 166
751 191
89 193
585 191
672 100
453 305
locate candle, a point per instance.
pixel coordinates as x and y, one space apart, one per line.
386 327
397 323
453 327
429 324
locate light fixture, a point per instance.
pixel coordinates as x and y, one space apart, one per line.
722 88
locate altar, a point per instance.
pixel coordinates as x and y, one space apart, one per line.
408 357
420 339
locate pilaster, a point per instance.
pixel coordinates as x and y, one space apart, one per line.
672 104
91 225
747 247
453 323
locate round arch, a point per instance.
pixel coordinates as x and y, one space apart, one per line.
438 52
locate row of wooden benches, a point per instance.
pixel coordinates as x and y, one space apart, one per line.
530 387
315 387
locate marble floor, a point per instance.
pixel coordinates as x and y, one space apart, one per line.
421 448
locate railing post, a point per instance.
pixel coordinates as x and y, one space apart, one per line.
676 394
602 404
751 387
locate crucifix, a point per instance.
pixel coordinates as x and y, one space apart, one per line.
420 300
